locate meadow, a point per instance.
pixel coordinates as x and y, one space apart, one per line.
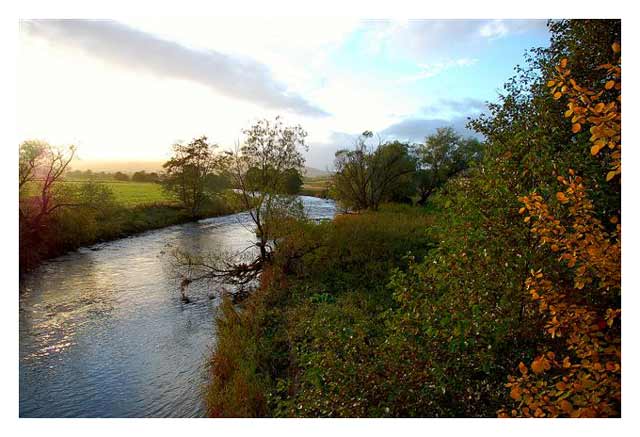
316 186
131 194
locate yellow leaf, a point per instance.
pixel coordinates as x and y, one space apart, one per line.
557 95
563 63
537 366
616 47
521 210
595 149
609 85
566 406
522 368
551 83
516 393
610 175
561 197
576 128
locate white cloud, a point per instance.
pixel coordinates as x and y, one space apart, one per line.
494 29
465 106
432 70
233 76
434 39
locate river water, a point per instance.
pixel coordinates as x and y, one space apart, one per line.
104 333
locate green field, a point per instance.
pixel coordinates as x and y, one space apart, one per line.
134 193
316 186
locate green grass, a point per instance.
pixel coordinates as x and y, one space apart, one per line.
134 193
317 186
308 342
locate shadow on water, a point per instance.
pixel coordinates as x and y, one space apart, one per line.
103 332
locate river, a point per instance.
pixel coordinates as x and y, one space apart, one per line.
104 333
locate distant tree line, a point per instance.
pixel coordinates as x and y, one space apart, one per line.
139 176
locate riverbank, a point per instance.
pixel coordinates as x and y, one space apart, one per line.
303 343
104 333
120 221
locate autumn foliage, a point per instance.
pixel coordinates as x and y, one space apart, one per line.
578 373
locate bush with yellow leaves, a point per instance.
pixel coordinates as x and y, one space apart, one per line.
582 378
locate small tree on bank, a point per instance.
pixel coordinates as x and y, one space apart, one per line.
188 172
261 169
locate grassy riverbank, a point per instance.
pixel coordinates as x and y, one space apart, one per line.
299 345
134 211
403 312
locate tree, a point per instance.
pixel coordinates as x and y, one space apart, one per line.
364 177
443 155
187 173
119 176
260 170
31 154
293 181
143 176
41 168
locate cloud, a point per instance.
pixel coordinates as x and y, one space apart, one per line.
466 106
437 38
431 70
232 76
416 129
494 29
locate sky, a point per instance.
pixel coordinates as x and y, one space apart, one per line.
127 90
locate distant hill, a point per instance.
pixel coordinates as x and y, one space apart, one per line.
149 166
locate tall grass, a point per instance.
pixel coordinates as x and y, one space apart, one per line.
326 281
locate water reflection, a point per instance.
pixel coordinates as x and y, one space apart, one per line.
103 332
